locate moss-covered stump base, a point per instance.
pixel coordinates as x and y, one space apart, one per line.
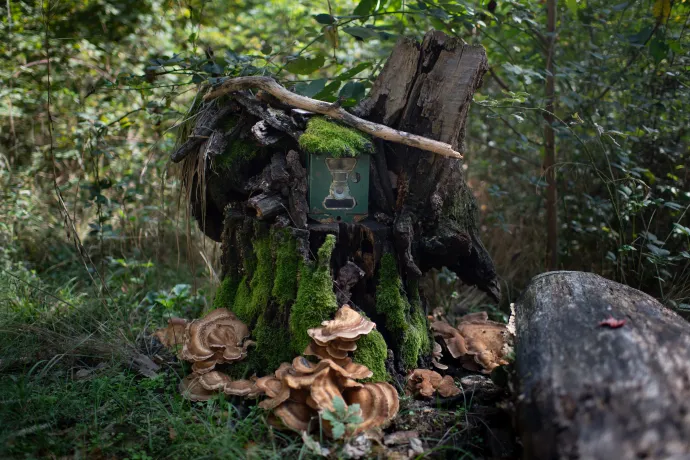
274 284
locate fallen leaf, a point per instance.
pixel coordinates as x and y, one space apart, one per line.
612 322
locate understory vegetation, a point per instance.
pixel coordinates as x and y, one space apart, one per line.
97 247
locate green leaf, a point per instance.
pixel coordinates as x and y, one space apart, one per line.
658 49
329 416
339 405
304 65
353 90
338 430
657 251
324 18
266 49
328 93
353 71
360 33
311 89
365 8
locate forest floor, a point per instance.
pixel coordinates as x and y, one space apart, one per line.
80 377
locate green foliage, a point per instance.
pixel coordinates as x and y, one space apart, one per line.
343 418
330 138
316 300
372 351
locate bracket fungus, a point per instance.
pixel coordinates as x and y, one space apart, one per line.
217 338
436 356
173 334
425 383
480 344
202 387
336 338
297 393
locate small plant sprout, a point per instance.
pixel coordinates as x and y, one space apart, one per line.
343 419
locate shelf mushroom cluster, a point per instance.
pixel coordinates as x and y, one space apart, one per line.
217 338
299 391
425 383
296 392
480 345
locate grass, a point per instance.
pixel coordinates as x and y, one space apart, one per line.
69 386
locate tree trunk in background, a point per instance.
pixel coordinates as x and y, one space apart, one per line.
280 268
591 391
550 144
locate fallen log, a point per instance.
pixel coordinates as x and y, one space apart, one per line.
603 370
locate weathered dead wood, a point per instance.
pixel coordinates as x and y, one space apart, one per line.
267 205
589 391
332 110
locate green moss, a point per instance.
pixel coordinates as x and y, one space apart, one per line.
406 322
262 280
316 300
287 269
389 298
239 152
273 344
253 297
241 305
372 351
326 137
225 296
416 339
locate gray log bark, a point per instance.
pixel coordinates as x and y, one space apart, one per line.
588 391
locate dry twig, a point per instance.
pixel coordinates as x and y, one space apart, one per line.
334 111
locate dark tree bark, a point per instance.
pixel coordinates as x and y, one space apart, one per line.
590 391
422 213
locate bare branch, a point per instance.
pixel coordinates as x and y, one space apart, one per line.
334 111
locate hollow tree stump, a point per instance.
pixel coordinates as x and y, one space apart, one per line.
283 272
590 391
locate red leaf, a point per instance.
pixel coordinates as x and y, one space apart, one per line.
612 322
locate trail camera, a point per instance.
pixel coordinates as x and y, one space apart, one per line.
338 188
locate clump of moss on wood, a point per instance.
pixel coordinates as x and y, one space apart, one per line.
273 343
238 153
316 301
225 295
406 322
330 138
372 352
287 268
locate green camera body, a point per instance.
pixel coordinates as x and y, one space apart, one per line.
338 188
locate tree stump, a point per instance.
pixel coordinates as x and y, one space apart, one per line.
595 390
284 273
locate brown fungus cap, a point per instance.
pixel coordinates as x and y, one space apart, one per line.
173 334
454 341
335 339
437 354
217 381
378 403
217 338
426 383
348 324
486 341
191 389
480 344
